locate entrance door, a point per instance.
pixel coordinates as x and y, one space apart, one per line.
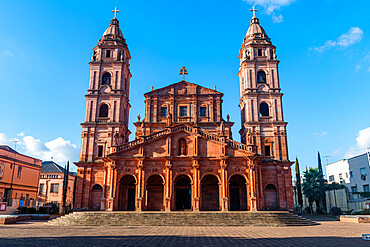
210 193
7 194
96 195
237 193
127 191
155 193
183 193
271 197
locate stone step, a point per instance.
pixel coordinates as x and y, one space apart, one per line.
182 219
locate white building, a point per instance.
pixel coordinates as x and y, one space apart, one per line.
353 173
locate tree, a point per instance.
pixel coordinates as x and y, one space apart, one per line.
322 186
65 188
311 186
298 183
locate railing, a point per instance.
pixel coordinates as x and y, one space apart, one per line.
105 120
187 128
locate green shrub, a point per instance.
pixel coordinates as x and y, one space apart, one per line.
336 211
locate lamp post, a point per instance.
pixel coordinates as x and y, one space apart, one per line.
11 182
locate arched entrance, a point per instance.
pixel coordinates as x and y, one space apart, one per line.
271 202
237 193
127 191
182 193
96 195
210 193
154 188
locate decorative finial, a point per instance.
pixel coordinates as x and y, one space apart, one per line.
215 88
254 11
228 117
115 12
183 72
152 88
138 118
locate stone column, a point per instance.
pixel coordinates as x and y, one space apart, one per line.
225 201
103 200
253 187
139 186
196 185
110 200
168 184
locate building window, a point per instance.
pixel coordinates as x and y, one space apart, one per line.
107 53
340 176
264 110
100 151
331 178
203 111
366 188
41 189
19 173
106 78
363 171
260 52
354 189
163 111
54 188
261 77
351 174
267 151
103 110
346 174
183 111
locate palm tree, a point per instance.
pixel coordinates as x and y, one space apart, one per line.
311 186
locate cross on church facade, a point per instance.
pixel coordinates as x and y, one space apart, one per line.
115 12
254 11
183 72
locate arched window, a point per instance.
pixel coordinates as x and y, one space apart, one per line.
264 110
106 79
103 110
261 77
182 147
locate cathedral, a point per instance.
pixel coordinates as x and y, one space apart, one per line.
183 156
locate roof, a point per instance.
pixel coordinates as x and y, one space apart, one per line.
255 27
113 29
7 148
51 166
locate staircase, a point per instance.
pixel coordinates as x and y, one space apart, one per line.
181 219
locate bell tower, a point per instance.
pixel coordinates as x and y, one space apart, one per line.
261 98
107 100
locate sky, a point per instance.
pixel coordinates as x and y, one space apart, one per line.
323 48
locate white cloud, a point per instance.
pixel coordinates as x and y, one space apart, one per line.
320 134
6 53
362 142
277 18
353 36
59 150
270 6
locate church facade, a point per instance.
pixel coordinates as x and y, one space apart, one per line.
183 156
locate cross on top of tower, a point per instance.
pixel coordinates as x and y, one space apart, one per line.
115 12
183 72
254 11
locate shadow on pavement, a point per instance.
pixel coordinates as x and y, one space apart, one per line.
164 240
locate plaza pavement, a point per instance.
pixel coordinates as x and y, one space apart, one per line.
329 233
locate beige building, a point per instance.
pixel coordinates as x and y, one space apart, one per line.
51 184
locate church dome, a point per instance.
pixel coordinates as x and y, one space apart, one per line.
255 28
113 30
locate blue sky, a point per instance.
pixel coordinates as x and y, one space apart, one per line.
323 48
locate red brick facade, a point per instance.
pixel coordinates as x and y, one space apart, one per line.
183 156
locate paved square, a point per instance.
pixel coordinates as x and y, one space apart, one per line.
329 233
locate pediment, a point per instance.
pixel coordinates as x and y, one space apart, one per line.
183 87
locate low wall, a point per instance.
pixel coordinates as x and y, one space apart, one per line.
12 219
354 218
